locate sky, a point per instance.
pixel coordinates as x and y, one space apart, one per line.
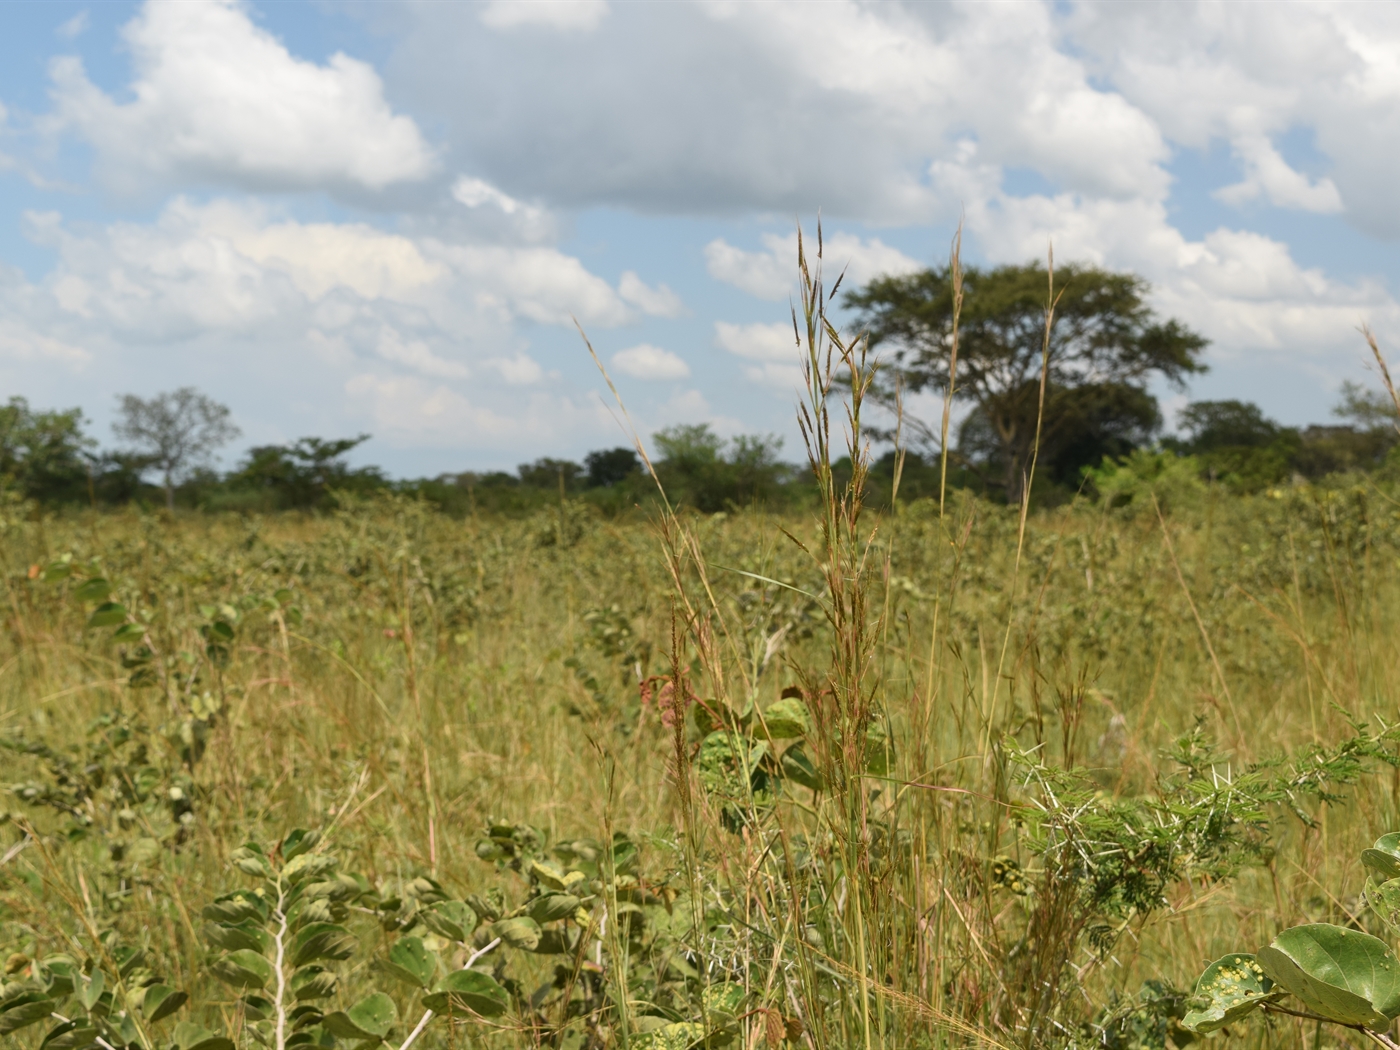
386 218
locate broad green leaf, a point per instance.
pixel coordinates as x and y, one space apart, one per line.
250 860
160 1002
93 590
299 840
191 1036
488 906
798 768
683 1035
231 937
107 614
424 890
721 1002
726 763
469 990
59 974
1384 899
340 888
552 942
879 749
369 1019
323 940
304 1016
306 865
788 718
1229 989
127 959
518 933
71 1035
411 963
549 875
128 633
313 982
1342 975
57 570
30 1010
257 1007
550 907
236 908
451 919
243 969
89 988
1383 858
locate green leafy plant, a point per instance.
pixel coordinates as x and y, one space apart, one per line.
1333 974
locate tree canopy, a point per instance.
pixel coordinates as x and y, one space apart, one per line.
1105 345
175 432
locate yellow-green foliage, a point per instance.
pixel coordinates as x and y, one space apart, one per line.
399 679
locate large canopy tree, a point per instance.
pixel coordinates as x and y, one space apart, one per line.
1104 346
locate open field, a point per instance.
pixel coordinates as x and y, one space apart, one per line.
404 680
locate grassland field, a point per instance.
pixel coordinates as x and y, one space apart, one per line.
417 686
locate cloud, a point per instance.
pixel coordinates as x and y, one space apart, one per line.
658 302
19 343
217 99
476 193
1241 289
269 314
552 14
771 349
758 342
1326 75
650 362
412 412
839 105
416 355
539 284
74 27
520 370
772 273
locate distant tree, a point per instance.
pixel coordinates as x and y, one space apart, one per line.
1367 409
175 431
1212 425
1105 338
1237 444
688 447
300 475
44 454
608 467
548 473
695 467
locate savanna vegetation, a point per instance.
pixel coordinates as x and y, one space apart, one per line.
929 768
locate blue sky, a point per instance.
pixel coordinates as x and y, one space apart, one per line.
346 218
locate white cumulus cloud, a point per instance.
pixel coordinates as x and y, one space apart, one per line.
650 362
1269 176
772 273
658 302
218 99
758 342
553 14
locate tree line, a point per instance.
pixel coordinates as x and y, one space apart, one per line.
1072 397
168 443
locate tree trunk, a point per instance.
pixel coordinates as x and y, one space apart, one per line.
169 493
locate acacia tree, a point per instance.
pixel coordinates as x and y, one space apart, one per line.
175 432
1104 346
